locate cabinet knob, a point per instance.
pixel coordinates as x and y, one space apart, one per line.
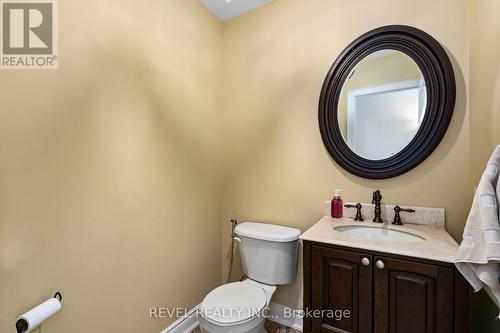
365 261
379 264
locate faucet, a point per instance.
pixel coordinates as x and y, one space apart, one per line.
377 197
397 216
359 215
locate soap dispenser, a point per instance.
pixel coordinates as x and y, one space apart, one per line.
337 206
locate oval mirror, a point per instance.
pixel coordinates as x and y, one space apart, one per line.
382 104
386 102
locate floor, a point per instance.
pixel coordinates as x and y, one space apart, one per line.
271 327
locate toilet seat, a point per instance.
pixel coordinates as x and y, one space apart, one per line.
233 303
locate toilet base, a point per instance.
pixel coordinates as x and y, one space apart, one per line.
263 330
254 325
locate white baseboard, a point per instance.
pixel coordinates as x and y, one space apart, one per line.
185 324
276 313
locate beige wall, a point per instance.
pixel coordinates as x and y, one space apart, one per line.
276 168
484 83
109 168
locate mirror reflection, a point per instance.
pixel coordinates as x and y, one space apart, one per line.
382 104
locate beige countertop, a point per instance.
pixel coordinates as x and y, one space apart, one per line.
438 244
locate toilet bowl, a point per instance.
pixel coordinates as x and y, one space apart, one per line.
238 307
269 258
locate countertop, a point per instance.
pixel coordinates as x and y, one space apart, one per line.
438 244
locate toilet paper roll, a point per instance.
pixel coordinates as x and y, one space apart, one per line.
40 313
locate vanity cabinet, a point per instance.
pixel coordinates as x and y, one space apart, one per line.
383 293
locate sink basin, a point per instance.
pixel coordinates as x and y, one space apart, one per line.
379 233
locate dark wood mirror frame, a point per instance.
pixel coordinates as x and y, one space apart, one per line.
438 73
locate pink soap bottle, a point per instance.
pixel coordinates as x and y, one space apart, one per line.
337 206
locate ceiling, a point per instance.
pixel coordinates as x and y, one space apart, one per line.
227 9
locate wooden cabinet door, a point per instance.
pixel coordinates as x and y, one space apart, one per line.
411 297
340 281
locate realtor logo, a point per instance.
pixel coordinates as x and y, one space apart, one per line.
29 34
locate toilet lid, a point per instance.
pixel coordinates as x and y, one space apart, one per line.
233 302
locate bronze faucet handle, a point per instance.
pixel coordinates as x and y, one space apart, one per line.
397 217
358 206
377 197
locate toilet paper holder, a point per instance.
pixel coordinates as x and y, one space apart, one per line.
22 325
58 296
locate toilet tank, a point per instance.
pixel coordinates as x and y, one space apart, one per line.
268 252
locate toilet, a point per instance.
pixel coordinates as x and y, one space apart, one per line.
269 258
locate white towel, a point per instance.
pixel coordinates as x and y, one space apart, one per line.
478 257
